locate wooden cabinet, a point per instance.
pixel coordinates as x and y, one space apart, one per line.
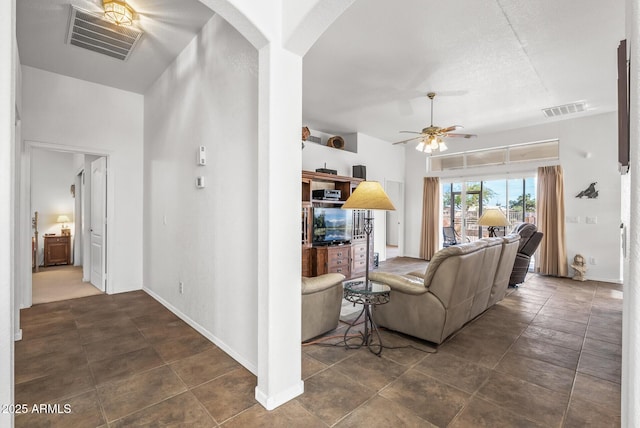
359 258
57 250
348 259
333 259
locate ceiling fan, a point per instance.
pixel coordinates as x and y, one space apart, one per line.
431 136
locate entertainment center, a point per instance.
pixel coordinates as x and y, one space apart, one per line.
333 240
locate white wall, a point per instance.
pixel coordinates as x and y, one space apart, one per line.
7 144
52 174
205 238
596 135
91 118
383 161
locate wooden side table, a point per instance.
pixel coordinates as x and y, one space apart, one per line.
57 250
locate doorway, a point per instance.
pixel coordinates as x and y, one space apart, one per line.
57 187
394 230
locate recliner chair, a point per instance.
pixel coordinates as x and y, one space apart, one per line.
529 240
321 304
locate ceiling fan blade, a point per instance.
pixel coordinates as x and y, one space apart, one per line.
406 141
451 128
461 135
410 132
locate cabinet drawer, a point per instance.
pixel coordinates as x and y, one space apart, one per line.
343 269
359 266
338 253
339 257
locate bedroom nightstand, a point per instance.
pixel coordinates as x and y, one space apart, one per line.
57 250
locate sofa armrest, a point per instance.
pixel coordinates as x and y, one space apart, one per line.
403 284
320 283
417 273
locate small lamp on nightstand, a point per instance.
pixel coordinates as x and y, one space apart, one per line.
493 217
64 230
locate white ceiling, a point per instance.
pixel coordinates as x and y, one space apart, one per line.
494 63
168 25
497 63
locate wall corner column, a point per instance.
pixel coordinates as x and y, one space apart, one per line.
279 187
630 393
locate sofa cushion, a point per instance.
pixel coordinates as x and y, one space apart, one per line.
404 283
445 253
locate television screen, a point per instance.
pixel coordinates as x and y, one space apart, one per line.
331 225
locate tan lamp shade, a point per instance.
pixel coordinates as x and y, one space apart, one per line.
369 195
63 219
493 217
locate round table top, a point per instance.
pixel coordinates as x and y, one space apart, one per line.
358 287
375 294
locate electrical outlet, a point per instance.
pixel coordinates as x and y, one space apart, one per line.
592 260
181 287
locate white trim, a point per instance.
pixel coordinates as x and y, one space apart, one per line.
203 331
18 335
272 402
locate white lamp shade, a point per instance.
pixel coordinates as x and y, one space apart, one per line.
63 219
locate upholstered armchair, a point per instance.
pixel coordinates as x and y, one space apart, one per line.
529 240
321 304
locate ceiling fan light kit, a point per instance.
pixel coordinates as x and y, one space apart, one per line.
118 11
431 136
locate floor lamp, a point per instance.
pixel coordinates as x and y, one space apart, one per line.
493 217
369 195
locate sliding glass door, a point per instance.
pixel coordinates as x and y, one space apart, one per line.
463 203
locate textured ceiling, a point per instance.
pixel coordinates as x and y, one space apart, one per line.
495 63
168 25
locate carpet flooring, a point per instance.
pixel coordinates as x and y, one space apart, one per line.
56 283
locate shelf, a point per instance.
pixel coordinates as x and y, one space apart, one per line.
327 201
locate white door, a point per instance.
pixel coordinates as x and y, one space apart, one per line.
97 227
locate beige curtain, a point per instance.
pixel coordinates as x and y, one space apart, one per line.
553 254
430 216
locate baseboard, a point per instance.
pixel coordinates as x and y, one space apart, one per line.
609 280
272 402
200 329
18 336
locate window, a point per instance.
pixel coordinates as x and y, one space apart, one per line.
463 204
517 153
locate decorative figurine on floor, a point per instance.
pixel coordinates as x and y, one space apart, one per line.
580 268
590 192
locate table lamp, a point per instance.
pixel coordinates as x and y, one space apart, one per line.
493 217
369 195
63 219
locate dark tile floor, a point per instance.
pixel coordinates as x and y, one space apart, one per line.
548 355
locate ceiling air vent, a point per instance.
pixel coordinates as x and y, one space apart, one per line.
564 109
90 31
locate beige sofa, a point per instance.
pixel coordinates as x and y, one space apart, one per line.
460 283
321 304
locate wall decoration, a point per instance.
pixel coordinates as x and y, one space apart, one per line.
336 142
590 192
305 134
